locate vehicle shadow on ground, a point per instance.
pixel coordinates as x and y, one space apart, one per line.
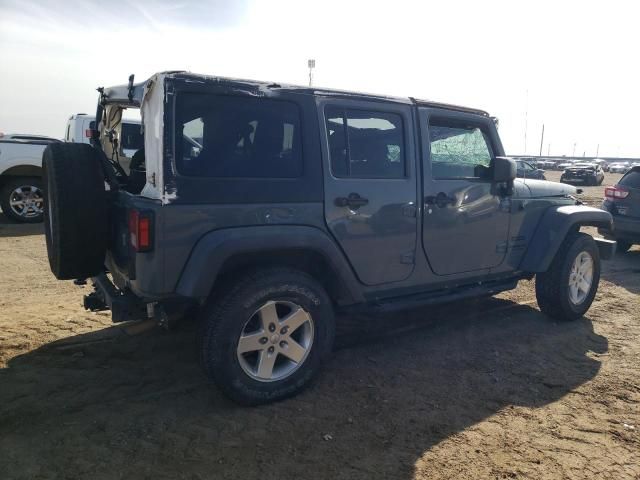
624 270
9 228
104 406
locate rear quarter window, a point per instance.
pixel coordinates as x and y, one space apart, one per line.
631 179
237 137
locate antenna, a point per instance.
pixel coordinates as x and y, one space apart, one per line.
130 87
311 63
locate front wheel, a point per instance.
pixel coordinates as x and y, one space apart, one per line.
266 337
567 289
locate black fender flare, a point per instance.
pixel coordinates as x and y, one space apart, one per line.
215 248
554 226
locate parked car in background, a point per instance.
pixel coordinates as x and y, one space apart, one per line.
21 196
126 132
619 167
583 174
603 163
546 164
623 202
526 170
564 165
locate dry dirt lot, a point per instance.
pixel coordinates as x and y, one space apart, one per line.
487 389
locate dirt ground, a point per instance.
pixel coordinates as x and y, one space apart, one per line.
487 389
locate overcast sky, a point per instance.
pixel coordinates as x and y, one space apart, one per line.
578 61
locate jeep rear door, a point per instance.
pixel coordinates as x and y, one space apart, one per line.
465 220
370 185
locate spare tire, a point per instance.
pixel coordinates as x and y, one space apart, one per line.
75 210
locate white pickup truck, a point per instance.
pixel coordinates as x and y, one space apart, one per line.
21 196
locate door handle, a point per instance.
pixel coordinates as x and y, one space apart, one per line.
353 201
441 200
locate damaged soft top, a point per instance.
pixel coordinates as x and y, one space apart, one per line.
132 94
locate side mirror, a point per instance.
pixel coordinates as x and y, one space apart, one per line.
504 170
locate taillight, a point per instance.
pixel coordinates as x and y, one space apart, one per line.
141 230
615 193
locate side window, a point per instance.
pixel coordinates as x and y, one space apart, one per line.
227 136
365 144
458 151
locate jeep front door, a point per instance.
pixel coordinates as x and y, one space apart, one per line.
370 186
465 216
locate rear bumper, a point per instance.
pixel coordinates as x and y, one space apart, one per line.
585 179
622 228
124 305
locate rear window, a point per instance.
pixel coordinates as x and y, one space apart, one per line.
227 136
631 179
365 144
132 137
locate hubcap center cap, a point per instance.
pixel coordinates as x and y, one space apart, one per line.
275 338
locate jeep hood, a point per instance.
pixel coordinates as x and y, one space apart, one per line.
529 188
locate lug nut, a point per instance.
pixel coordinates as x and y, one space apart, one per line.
271 349
264 340
283 344
284 330
272 327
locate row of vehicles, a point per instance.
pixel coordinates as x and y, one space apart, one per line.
563 164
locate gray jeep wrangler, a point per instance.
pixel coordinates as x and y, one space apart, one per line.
267 208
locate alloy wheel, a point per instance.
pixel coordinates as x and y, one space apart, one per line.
580 278
26 201
275 341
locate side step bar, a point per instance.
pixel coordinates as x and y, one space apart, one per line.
432 298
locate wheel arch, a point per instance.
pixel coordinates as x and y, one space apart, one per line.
20 171
555 225
223 254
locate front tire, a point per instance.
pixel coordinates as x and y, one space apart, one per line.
567 289
265 338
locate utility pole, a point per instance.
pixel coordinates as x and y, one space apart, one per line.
574 150
311 63
598 150
541 139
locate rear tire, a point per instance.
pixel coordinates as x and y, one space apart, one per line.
556 290
75 210
255 308
22 199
